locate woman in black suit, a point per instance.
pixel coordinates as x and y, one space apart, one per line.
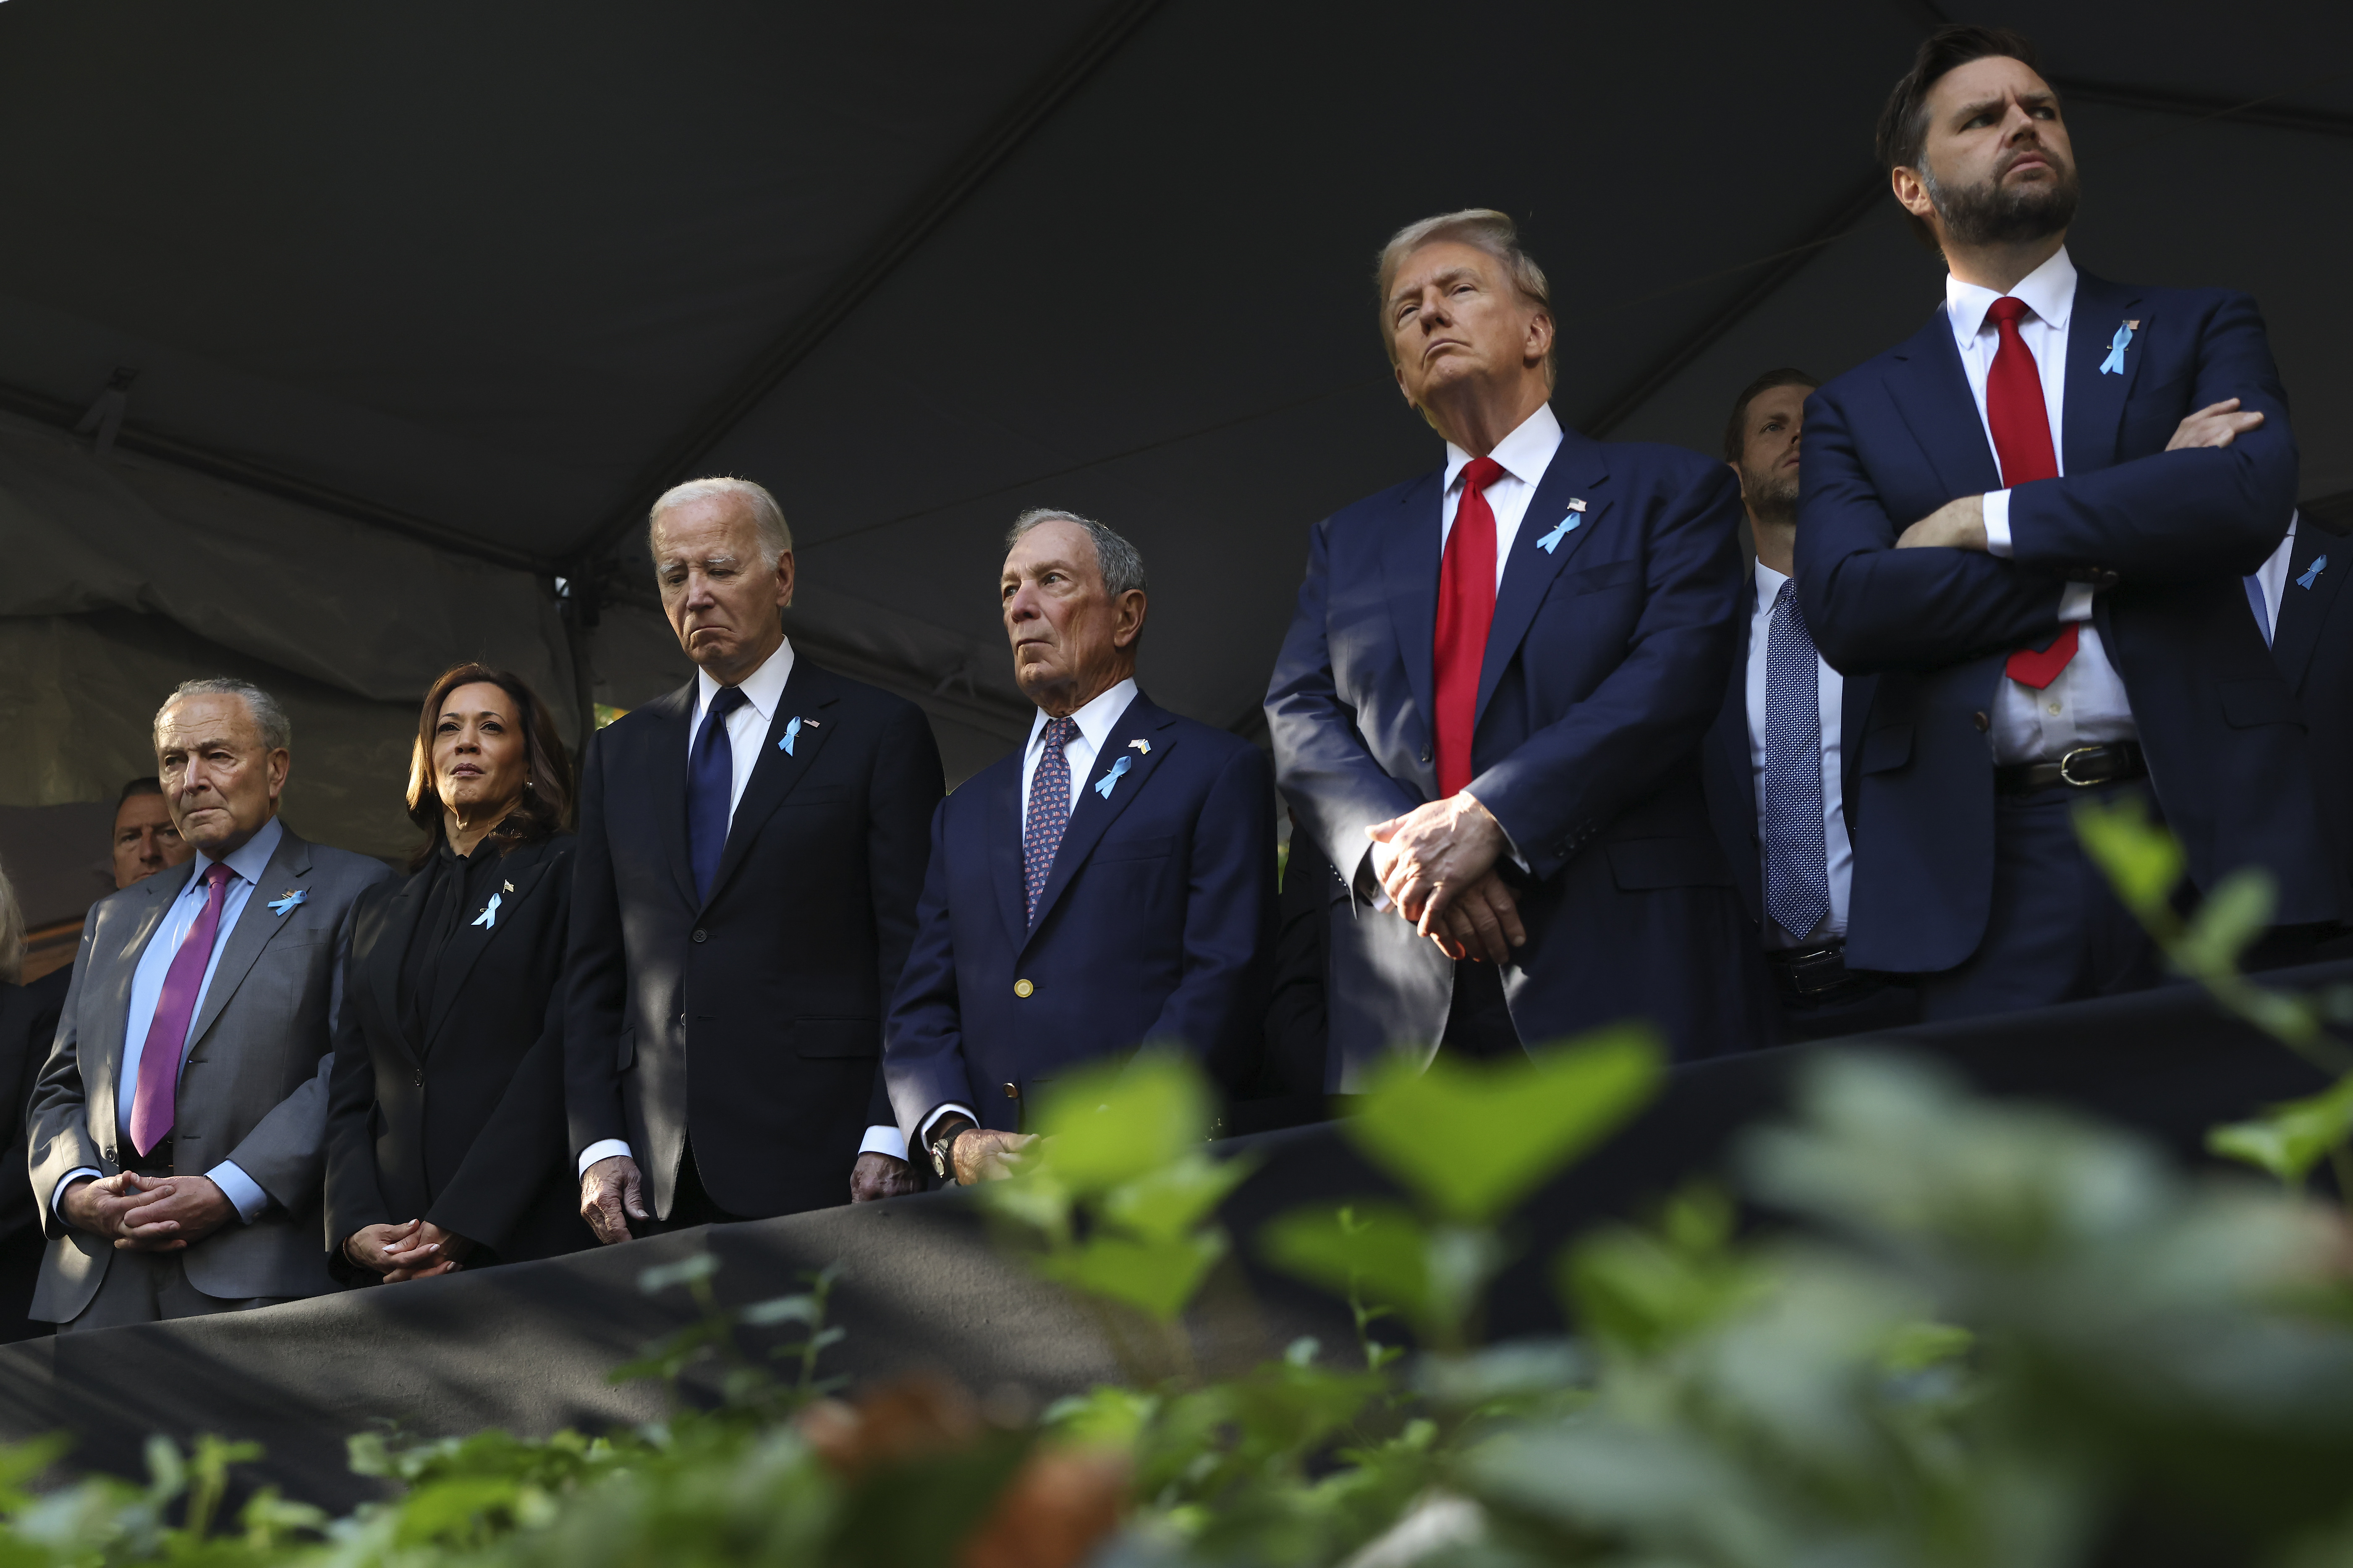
445 1142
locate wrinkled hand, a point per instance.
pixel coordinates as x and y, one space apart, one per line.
612 1194
1484 923
430 1250
2216 425
369 1247
97 1204
174 1212
1958 525
1438 851
881 1176
984 1155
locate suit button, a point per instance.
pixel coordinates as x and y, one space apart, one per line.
1022 988
1012 1091
1981 722
420 1077
701 935
1425 753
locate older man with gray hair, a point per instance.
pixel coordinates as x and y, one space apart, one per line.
1109 885
751 847
178 1130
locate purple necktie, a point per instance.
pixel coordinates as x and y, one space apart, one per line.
1049 809
159 1060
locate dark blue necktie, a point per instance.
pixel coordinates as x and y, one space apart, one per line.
1796 858
710 776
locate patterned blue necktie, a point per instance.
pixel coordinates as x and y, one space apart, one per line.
1049 809
1796 860
710 779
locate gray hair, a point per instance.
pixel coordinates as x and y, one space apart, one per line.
1482 228
12 934
767 517
276 730
1119 561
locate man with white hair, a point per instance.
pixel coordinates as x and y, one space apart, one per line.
178 1130
750 847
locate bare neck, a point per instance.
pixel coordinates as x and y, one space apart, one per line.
1477 416
1061 700
467 833
2000 266
1776 543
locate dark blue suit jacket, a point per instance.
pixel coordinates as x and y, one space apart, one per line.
1605 666
1893 440
2313 644
1731 778
1156 925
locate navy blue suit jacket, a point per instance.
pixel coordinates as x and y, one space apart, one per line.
1156 925
1731 778
1893 440
1604 665
2313 644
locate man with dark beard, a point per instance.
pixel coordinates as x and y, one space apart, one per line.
1778 765
2031 521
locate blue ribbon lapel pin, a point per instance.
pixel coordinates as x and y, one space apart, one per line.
1104 785
2115 364
285 906
488 919
792 734
1565 526
2312 573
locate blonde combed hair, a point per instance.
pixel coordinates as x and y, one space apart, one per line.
1482 228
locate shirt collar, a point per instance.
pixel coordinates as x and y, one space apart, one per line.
1769 584
762 689
249 860
1097 719
2049 291
1525 453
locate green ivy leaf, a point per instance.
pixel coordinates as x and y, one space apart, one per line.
1166 1204
1113 1124
2142 859
1378 1249
2288 1140
1157 1277
2231 918
1471 1142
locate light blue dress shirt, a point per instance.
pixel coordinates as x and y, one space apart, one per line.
246 866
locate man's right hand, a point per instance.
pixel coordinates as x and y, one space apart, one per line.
984 1155
97 1204
612 1194
1484 923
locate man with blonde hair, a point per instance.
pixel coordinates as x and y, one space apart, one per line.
1488 708
751 848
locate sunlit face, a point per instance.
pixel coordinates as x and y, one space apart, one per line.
1069 635
479 757
1453 315
2000 167
145 842
1768 457
725 605
221 783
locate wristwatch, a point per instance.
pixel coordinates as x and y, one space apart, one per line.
943 1147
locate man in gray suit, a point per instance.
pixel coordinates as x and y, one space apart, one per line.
177 1131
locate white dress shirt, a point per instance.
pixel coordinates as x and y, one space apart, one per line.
747 732
1526 454
2272 576
1096 721
246 866
2086 705
1831 686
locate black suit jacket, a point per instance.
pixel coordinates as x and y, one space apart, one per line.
465 1127
2312 644
1731 780
752 1019
29 1026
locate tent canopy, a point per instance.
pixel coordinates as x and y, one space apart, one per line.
381 320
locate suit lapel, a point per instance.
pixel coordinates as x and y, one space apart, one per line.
1577 472
1409 562
1729 740
811 696
163 889
1931 392
520 875
388 955
674 722
2094 407
1094 813
2303 611
1004 867
257 924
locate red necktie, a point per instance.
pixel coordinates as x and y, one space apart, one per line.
2021 441
1466 608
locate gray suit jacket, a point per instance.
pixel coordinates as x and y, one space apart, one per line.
253 1089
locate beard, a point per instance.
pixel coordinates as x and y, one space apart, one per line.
1773 495
1990 213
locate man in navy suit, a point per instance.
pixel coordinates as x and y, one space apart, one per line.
1780 765
1488 708
1108 886
1991 521
2299 602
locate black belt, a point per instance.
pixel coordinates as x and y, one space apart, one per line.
2081 768
1818 976
156 1161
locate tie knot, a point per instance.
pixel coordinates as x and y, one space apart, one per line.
1059 730
216 876
1480 473
726 700
2007 311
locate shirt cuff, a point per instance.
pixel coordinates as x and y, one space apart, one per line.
884 1140
57 1193
923 1133
239 1189
1997 524
603 1149
2075 603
